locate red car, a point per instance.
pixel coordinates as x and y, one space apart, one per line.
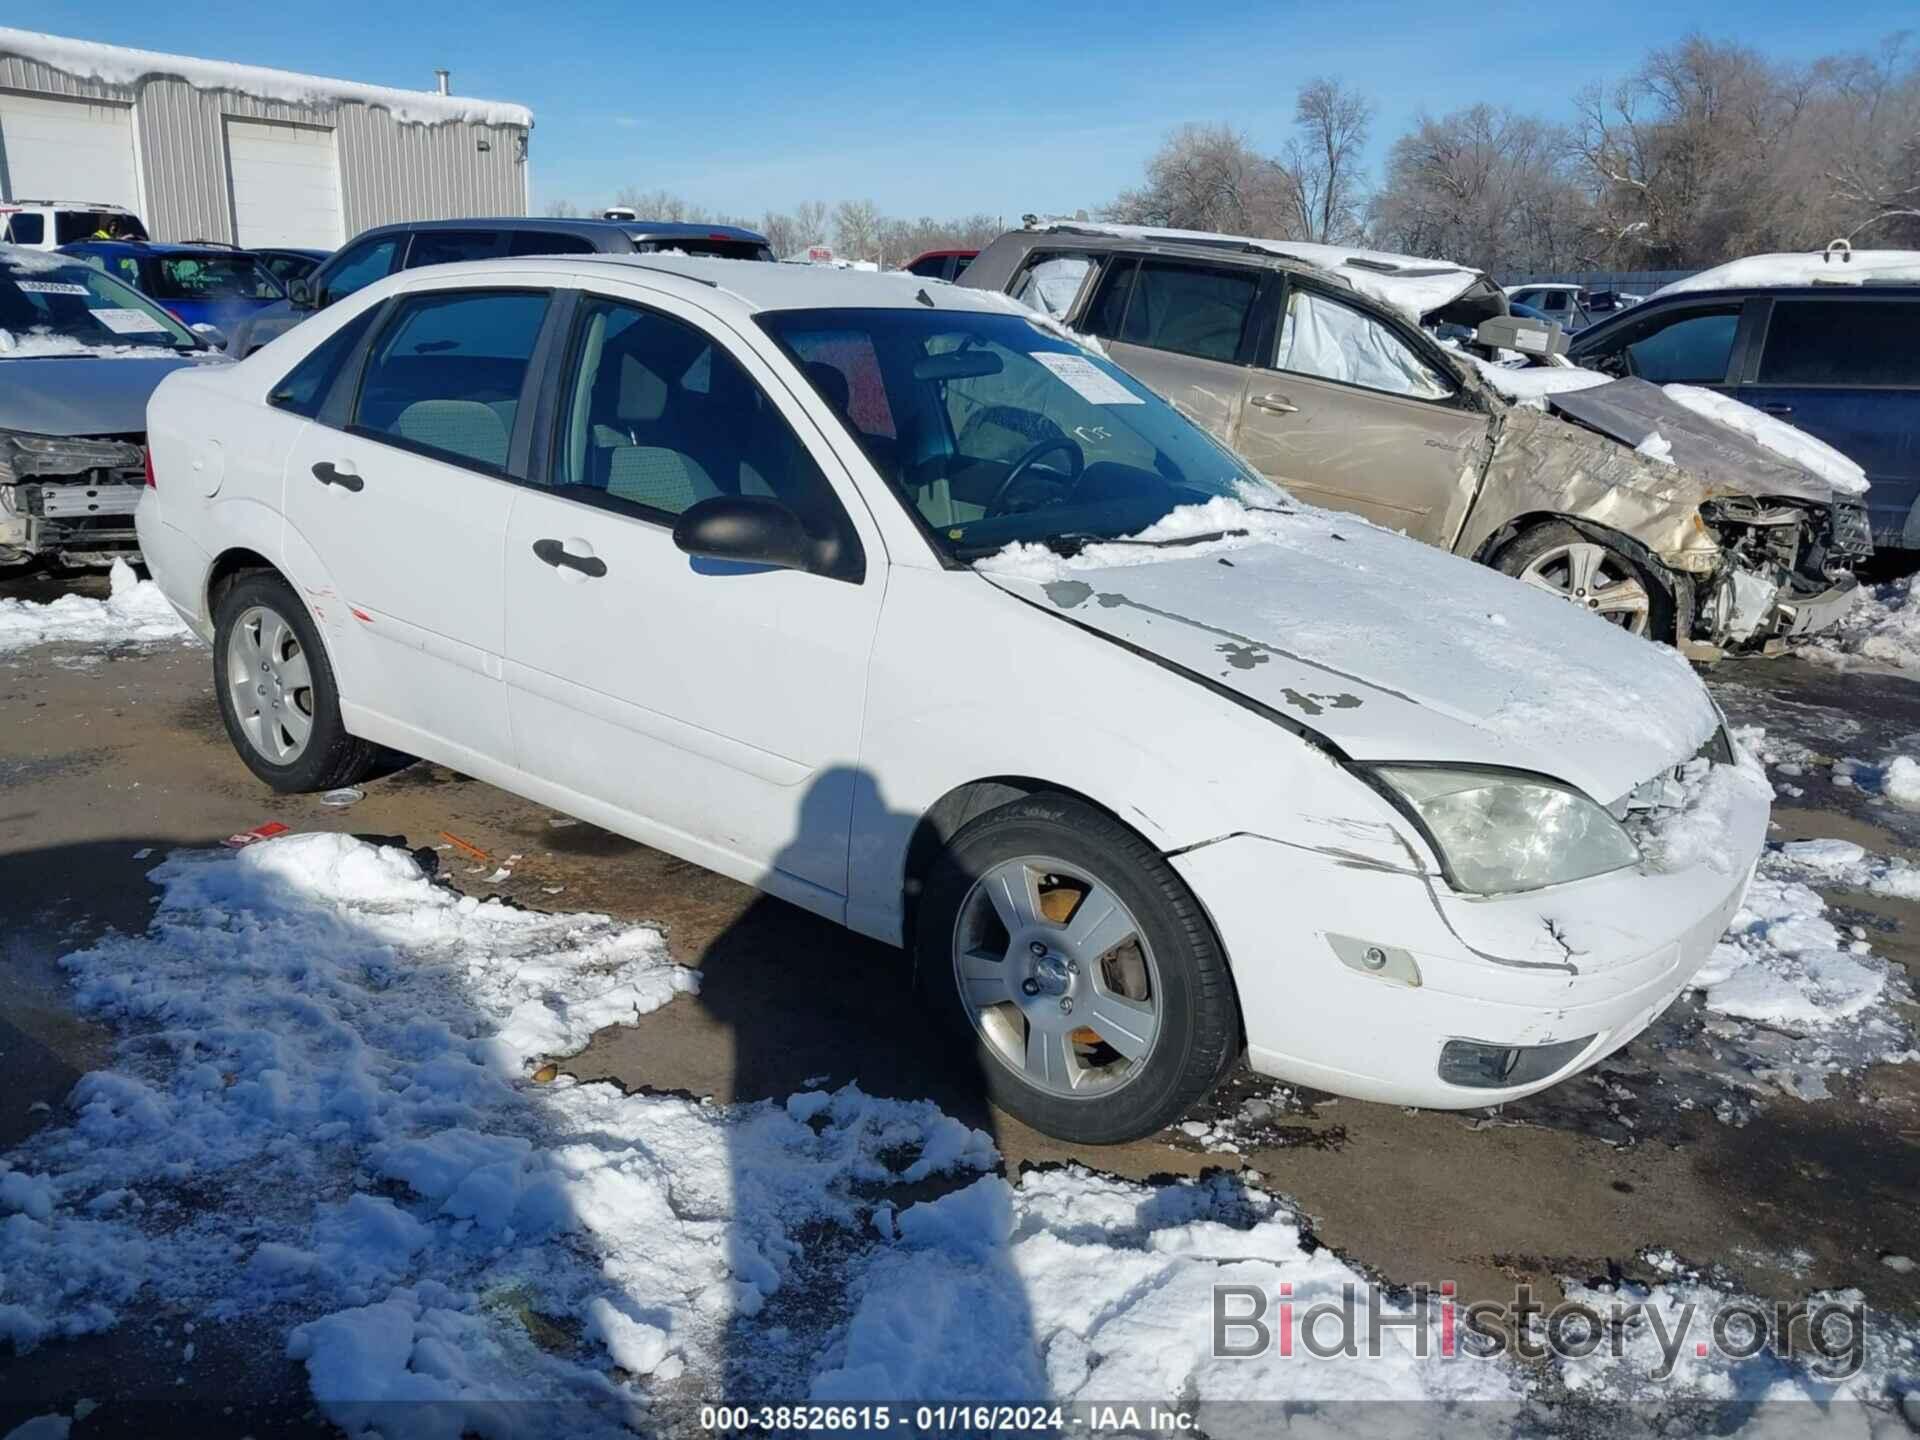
940 264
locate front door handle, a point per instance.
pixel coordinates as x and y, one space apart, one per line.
1275 403
327 473
1777 408
556 554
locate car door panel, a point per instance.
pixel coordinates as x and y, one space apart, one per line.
408 501
716 706
1411 462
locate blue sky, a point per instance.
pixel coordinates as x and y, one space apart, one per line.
1000 106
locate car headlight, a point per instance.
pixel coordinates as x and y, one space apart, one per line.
1500 831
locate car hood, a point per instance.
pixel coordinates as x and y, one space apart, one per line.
1388 648
82 394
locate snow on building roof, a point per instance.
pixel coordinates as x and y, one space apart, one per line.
1808 267
119 65
1408 283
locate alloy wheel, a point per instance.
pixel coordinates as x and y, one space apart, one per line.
1594 578
1057 976
270 684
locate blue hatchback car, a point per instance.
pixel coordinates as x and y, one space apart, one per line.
1842 362
196 283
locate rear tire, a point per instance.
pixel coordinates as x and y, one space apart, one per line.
276 691
1563 562
1073 960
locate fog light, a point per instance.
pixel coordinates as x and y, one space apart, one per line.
1481 1066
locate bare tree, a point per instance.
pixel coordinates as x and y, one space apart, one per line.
856 229
1209 177
810 221
1323 162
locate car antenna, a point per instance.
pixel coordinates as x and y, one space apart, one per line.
924 298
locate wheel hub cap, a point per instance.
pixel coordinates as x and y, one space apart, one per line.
270 684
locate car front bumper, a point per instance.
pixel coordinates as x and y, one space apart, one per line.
1593 961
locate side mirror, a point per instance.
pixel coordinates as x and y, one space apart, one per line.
300 295
213 335
754 530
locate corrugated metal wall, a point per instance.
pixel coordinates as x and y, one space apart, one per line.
388 170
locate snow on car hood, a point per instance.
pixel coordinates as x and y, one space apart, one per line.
85 393
1391 649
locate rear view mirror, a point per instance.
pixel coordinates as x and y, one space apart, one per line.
957 365
747 530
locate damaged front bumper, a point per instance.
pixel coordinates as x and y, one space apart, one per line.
1784 571
69 499
1386 985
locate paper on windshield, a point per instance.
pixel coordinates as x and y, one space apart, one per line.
127 322
49 287
1086 379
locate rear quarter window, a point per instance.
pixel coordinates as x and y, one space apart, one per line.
1873 343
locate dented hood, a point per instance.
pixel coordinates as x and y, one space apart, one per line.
1390 649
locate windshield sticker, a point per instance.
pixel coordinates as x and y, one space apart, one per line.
128 322
1087 379
49 287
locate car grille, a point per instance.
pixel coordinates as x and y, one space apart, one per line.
1851 534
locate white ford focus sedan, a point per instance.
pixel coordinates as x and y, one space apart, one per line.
895 602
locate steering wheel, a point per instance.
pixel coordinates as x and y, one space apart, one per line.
1076 462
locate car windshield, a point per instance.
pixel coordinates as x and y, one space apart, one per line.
66 307
212 277
993 430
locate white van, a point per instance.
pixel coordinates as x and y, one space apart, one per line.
49 224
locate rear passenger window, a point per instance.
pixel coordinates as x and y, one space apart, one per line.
1051 282
660 418
448 247
538 242
1691 348
27 229
1190 309
1842 342
445 374
305 387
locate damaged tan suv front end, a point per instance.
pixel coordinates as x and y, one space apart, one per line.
1736 548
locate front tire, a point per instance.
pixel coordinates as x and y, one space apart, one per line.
277 693
1081 969
1563 562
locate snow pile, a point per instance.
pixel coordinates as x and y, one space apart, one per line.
119 65
1848 864
35 343
1882 628
1531 385
135 613
1088 1288
1786 441
1807 267
1665 1356
1896 779
1785 964
1704 816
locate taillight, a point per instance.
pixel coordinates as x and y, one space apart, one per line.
152 484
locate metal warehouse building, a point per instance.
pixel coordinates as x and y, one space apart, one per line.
200 149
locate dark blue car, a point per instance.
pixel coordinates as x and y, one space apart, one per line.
1842 362
198 284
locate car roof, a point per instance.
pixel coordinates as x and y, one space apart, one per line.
590 228
754 285
1407 283
154 247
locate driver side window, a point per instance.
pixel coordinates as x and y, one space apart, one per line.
1691 348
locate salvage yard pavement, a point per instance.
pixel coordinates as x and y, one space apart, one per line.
440 1096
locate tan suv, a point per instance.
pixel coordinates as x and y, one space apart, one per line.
1317 365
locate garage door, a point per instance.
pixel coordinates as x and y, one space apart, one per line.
285 182
67 150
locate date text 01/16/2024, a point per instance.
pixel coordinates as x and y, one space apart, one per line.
928 1419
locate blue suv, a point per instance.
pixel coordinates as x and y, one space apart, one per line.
199 283
1842 362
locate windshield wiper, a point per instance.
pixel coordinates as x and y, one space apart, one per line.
1072 542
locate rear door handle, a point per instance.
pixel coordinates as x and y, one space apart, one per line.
327 473
1275 403
1777 408
556 554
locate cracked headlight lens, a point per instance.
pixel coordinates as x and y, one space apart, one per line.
1499 831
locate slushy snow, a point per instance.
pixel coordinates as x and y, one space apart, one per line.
135 613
